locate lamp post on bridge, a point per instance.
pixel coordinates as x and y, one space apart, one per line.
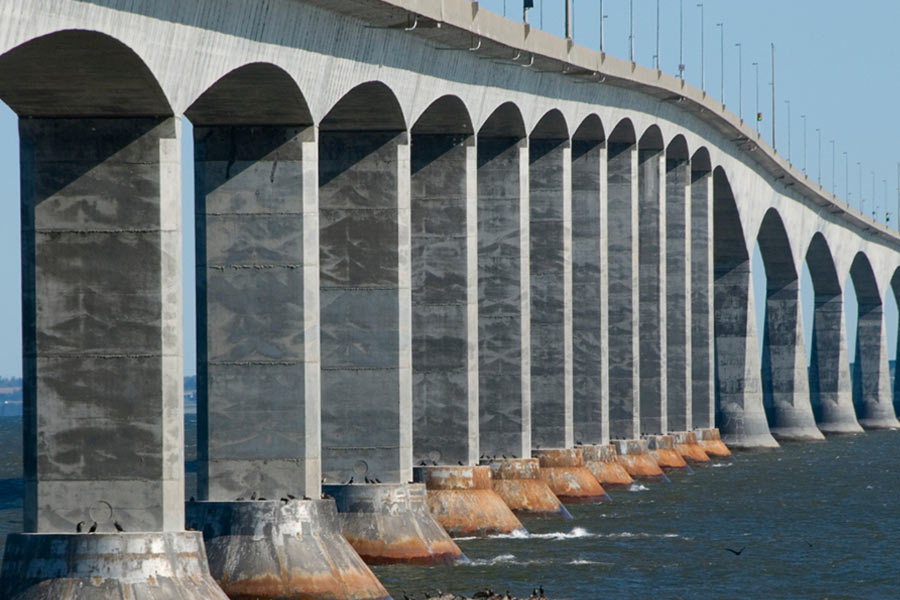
602 19
721 27
788 102
681 39
658 68
832 168
758 114
874 204
702 52
631 25
803 118
740 81
861 203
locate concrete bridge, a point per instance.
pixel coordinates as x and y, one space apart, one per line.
433 245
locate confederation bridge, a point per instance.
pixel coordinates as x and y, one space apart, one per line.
451 271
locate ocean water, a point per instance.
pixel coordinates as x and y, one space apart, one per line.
814 520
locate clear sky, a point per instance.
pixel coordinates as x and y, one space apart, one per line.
836 61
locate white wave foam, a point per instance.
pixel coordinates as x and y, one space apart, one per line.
637 487
487 562
577 532
642 535
720 465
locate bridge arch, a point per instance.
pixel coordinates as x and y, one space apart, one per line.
622 308
675 237
364 275
739 407
871 379
785 383
830 384
589 346
700 229
443 225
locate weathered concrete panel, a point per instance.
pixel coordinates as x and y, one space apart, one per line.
830 384
703 398
871 378
102 324
678 307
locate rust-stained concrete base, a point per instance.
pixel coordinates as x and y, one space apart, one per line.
634 456
464 503
662 449
564 471
713 445
107 566
603 464
290 550
518 482
689 448
388 523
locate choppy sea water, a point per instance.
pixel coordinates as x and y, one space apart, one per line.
814 520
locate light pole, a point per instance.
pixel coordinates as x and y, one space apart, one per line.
884 181
569 27
721 27
631 36
819 159
756 66
803 118
788 102
657 35
702 53
833 188
602 19
874 204
861 203
681 39
773 97
740 81
847 178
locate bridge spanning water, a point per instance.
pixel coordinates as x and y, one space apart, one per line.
433 246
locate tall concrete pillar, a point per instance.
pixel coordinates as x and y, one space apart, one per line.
366 332
739 407
589 286
622 256
895 289
871 378
652 256
678 262
550 275
444 259
702 341
830 383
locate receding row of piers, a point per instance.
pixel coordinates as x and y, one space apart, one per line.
405 333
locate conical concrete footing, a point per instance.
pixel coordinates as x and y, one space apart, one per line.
603 464
564 471
662 449
689 448
518 482
634 456
713 445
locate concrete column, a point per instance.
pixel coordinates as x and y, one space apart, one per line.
445 401
590 390
871 377
702 364
550 163
678 307
831 387
622 232
365 305
652 273
785 382
102 351
257 302
503 298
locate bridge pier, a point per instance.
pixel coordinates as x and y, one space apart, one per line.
602 462
662 449
518 482
635 458
702 325
687 445
569 479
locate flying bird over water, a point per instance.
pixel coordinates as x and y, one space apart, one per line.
736 552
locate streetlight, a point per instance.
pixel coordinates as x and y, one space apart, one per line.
702 53
833 188
803 118
721 27
602 19
740 81
681 39
788 102
657 35
756 66
847 178
773 97
874 205
631 36
861 203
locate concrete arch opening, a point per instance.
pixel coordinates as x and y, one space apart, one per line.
364 285
550 218
589 285
830 384
702 361
653 388
871 377
740 415
677 266
785 382
503 300
444 275
622 259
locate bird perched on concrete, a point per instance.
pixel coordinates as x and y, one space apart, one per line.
253 496
118 527
351 480
80 527
93 528
292 497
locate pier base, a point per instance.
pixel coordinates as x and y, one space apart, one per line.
564 471
107 566
518 482
634 456
689 448
603 464
464 503
713 445
290 550
662 449
388 523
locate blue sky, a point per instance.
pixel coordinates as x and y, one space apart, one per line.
836 61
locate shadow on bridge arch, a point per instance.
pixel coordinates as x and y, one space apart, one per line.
503 243
830 385
252 137
785 383
102 340
622 310
652 388
675 238
700 265
871 378
363 276
739 408
590 389
549 210
445 401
